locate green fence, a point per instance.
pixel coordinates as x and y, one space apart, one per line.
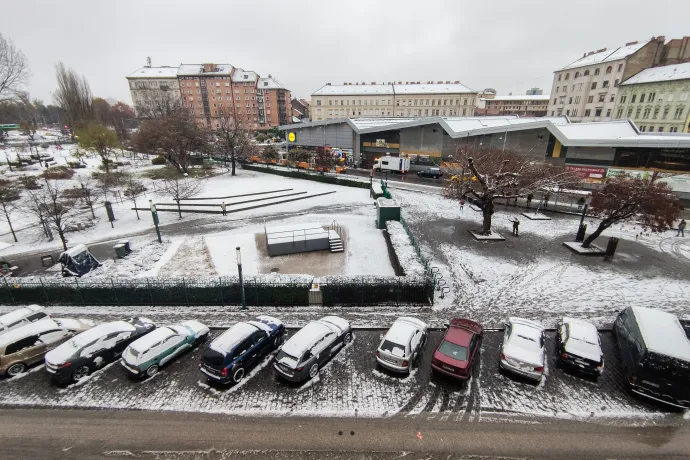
328 178
259 291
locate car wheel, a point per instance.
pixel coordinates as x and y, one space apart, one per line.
348 338
201 340
16 369
278 340
153 370
238 375
80 373
313 371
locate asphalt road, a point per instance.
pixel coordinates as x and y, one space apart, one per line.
36 434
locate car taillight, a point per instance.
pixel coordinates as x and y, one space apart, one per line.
539 369
503 357
405 363
564 356
434 361
377 353
299 369
224 372
633 379
60 366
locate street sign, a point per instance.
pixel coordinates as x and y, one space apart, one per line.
291 137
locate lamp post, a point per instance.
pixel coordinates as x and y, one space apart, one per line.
154 214
239 271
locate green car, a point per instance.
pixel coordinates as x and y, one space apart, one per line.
145 356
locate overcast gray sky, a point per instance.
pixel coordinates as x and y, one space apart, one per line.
504 44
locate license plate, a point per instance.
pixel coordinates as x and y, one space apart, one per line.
655 385
390 360
448 368
579 361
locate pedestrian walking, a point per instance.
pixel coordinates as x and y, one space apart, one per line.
516 227
580 204
222 206
546 200
462 205
681 228
529 199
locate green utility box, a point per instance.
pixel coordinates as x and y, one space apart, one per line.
386 209
120 251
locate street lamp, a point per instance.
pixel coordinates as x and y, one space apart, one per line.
239 270
154 214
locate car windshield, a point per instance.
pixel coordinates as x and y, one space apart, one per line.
453 350
133 352
526 342
214 358
393 348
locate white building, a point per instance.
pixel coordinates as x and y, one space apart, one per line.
392 100
586 89
154 83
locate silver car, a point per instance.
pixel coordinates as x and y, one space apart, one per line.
402 344
311 347
22 317
522 351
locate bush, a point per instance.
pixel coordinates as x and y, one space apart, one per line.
115 178
29 182
307 176
75 192
158 161
58 172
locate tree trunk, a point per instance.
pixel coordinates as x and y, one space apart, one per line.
9 222
233 165
179 211
487 212
602 226
136 210
61 234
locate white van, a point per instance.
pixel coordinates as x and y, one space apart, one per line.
394 164
21 317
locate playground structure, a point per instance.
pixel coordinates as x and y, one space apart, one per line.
307 237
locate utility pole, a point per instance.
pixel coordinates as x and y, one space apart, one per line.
239 271
154 214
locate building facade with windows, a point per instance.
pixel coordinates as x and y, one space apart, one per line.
213 91
656 99
524 106
412 99
586 89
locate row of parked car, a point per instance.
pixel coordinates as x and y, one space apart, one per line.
654 348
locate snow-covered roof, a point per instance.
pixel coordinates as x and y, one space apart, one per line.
401 332
662 332
37 327
155 72
306 337
241 75
433 88
152 338
390 89
527 327
524 97
16 315
198 69
606 56
582 330
337 321
665 73
229 339
78 249
353 90
270 83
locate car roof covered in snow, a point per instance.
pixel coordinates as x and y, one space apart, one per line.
20 313
582 330
185 326
308 336
402 331
229 339
152 338
37 327
336 321
662 332
526 326
67 349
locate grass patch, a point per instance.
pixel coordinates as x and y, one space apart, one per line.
172 173
57 172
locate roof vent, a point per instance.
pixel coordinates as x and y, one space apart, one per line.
400 83
632 43
447 82
590 53
439 82
601 50
457 82
373 82
328 84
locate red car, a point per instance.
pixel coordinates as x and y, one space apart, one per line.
459 348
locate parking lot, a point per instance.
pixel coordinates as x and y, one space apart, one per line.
350 385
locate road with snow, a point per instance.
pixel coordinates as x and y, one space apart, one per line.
88 435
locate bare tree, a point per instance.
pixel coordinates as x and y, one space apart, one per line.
179 188
9 193
49 205
501 174
233 141
156 104
14 70
623 198
74 95
86 183
324 160
134 188
28 129
175 137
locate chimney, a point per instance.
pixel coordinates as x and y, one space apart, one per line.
328 84
373 82
601 50
148 61
400 83
631 43
457 82
209 67
440 82
447 82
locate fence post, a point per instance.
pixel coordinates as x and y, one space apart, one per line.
9 291
45 294
112 283
222 293
148 284
184 287
81 296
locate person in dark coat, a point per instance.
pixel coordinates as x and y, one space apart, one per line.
529 199
516 227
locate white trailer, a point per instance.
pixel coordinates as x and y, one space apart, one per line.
393 164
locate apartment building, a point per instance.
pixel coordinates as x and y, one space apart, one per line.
521 105
586 89
411 99
212 91
656 99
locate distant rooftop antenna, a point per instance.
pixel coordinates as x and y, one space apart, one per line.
148 61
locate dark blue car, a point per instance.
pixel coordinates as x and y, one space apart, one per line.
235 352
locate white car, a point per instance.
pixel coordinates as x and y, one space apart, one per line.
402 344
522 351
21 317
578 346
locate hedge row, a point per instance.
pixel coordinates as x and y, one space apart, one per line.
306 176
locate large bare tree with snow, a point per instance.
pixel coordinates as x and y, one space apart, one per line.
623 198
14 70
9 194
233 139
483 176
179 188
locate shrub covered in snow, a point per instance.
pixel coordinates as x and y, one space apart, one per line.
408 258
307 176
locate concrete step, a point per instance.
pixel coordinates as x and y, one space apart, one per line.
336 245
338 241
337 250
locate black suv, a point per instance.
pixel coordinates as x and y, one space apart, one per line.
91 350
434 173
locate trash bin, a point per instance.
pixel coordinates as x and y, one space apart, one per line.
581 233
120 251
386 209
611 248
128 248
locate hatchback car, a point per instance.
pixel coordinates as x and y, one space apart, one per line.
145 356
434 173
522 351
21 317
402 344
28 344
236 351
77 358
459 349
311 347
578 346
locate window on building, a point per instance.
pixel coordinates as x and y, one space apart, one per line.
575 112
683 96
613 98
630 112
656 113
673 129
638 112
567 76
619 114
602 98
642 98
464 112
586 72
587 112
567 112
465 103
643 128
620 67
590 99
594 85
605 84
661 129
678 114
652 97
558 88
597 112
577 74
552 113
665 114
632 100
597 71
608 112
559 77
570 101
554 100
